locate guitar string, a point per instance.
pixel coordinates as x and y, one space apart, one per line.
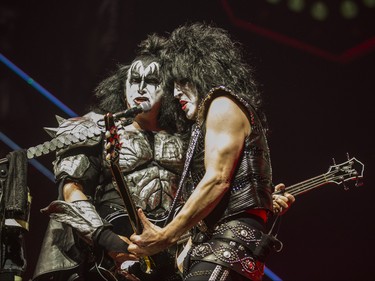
309 184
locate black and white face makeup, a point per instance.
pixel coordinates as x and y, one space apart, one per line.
142 83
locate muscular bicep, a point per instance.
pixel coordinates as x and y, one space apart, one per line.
227 127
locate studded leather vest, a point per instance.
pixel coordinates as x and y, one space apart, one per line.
251 184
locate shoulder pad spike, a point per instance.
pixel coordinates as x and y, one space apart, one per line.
60 119
51 131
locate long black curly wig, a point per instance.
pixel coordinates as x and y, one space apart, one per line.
206 56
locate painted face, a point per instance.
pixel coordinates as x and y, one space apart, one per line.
187 94
142 83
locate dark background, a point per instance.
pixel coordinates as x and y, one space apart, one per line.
317 78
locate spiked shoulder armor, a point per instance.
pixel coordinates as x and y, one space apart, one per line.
79 131
79 137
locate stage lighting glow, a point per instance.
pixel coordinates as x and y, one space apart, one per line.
319 11
349 9
296 5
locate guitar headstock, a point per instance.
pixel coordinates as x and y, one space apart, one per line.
352 169
113 144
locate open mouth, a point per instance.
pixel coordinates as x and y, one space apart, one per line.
183 104
139 100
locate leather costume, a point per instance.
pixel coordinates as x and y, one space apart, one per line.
228 236
151 163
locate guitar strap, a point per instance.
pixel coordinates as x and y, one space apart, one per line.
189 155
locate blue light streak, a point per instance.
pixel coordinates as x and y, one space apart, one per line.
38 87
271 274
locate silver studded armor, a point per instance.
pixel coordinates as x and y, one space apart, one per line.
151 162
80 215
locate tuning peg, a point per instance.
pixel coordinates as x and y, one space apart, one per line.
334 161
347 156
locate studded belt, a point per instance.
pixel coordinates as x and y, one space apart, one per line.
231 245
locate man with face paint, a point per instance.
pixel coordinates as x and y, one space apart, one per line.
228 191
90 210
142 83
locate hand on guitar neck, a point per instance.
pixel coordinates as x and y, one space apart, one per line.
281 200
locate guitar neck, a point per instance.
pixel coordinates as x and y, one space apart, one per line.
308 185
337 174
127 198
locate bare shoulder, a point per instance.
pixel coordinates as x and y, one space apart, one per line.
223 104
227 110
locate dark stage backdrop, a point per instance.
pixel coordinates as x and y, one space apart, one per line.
317 77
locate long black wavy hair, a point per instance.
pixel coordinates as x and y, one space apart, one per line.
110 93
206 56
